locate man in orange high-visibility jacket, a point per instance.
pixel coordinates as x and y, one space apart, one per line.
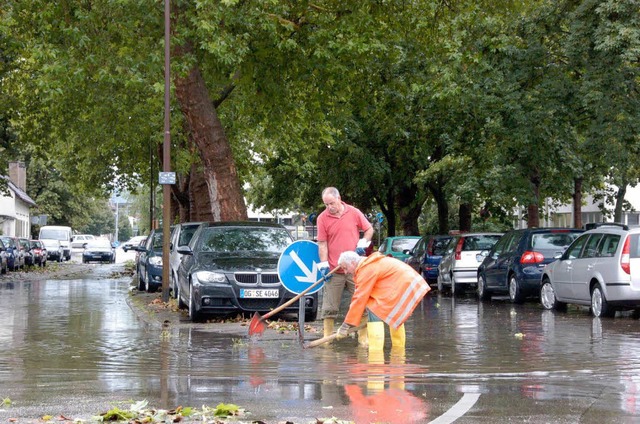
388 288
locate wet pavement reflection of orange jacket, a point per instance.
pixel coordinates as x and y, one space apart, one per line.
388 287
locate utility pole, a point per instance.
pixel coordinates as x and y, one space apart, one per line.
166 177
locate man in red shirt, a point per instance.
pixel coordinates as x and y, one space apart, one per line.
339 227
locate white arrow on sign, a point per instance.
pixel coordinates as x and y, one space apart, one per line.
309 275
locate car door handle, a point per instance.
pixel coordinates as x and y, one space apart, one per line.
589 267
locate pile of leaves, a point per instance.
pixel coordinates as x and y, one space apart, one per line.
141 413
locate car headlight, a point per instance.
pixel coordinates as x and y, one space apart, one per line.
209 277
155 260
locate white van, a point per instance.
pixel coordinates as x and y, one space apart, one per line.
56 232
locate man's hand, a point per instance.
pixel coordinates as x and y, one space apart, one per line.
363 243
323 269
343 331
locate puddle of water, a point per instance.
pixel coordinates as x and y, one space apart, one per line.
76 343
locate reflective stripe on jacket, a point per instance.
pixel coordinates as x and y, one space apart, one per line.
388 287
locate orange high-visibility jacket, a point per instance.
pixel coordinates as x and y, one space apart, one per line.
388 287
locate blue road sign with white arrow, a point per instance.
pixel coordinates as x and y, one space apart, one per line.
298 266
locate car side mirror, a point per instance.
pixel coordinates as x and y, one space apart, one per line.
185 250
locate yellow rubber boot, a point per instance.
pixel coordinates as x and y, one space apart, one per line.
363 339
375 334
328 326
397 337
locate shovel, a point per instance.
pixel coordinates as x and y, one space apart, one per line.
330 337
257 326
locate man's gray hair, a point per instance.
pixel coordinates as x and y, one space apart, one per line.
349 258
331 191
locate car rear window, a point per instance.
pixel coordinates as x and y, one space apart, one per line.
634 246
399 245
550 241
482 242
438 246
609 245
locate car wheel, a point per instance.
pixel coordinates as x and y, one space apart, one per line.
172 286
84 261
311 316
548 297
149 286
515 291
193 314
483 292
141 285
181 304
440 285
453 284
599 305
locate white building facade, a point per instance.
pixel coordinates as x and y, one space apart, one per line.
562 216
15 213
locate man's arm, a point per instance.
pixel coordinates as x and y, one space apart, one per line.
323 251
368 234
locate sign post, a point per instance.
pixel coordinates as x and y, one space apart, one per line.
298 270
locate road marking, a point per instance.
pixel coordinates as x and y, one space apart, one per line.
458 410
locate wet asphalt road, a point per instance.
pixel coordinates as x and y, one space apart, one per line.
77 348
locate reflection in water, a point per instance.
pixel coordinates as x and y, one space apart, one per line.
385 398
66 343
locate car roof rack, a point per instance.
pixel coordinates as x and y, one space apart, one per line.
592 225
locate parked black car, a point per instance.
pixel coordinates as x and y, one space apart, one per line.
515 263
231 267
149 262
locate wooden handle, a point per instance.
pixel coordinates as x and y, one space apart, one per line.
298 296
330 337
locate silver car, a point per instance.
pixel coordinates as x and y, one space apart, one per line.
600 269
462 257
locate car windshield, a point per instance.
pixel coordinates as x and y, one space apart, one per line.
53 234
51 243
236 240
8 242
98 243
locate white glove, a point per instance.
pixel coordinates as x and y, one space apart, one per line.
363 243
343 331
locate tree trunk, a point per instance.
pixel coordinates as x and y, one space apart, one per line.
220 174
577 203
409 205
199 205
443 207
620 194
464 212
533 209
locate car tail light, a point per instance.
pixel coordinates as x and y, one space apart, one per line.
531 257
625 263
459 248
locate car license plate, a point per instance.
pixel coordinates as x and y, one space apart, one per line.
259 293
